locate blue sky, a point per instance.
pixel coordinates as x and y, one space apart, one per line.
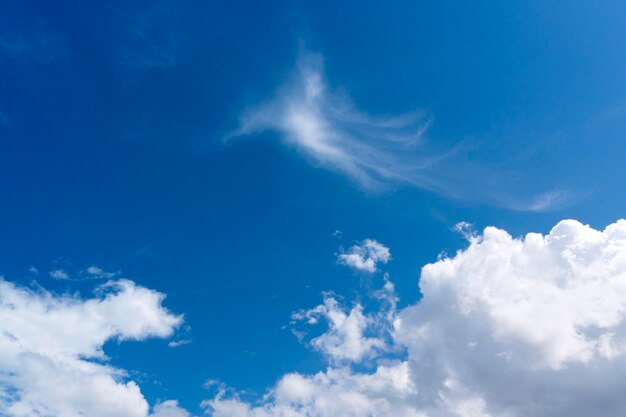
225 154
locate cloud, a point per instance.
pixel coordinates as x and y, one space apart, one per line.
545 201
52 361
169 408
336 392
97 272
178 343
59 274
345 338
326 127
365 256
508 327
379 151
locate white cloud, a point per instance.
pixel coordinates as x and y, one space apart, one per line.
345 338
509 327
51 357
328 129
177 343
381 151
59 274
169 408
97 272
365 256
337 392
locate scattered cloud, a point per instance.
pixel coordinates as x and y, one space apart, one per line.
365 256
59 274
97 272
378 151
337 233
546 310
169 408
546 201
337 392
466 230
177 343
345 338
51 350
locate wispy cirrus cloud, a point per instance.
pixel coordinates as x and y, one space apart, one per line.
378 151
329 130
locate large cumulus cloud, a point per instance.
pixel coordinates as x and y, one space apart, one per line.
512 327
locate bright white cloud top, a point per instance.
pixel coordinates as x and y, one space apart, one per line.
51 357
365 256
345 338
513 327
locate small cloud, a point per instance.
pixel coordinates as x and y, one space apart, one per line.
169 408
215 384
33 270
338 234
365 256
345 339
548 201
466 230
59 274
97 272
177 343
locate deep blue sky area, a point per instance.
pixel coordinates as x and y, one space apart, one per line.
112 153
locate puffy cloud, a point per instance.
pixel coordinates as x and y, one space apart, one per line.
51 350
365 256
345 338
169 408
59 274
337 392
508 327
545 311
